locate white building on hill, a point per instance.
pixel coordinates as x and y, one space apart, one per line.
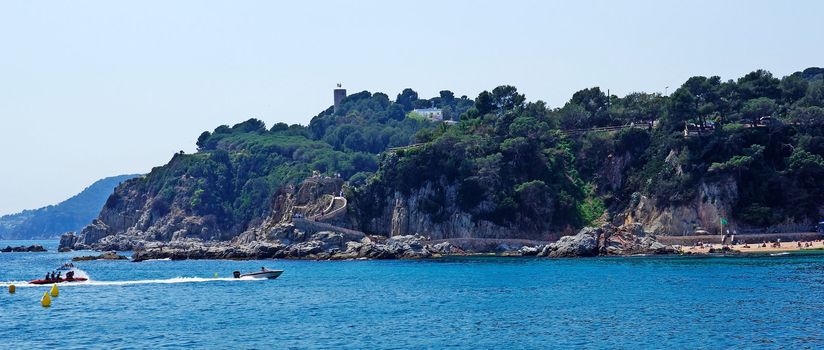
435 114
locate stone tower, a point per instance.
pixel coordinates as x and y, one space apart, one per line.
340 93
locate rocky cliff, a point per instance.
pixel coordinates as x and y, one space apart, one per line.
715 200
132 213
413 214
131 218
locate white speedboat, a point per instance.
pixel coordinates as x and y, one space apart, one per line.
263 274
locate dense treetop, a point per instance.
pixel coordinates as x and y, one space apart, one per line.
514 164
237 169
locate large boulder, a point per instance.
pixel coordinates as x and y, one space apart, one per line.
335 240
67 241
407 246
94 232
104 256
301 250
585 243
529 250
444 248
287 234
628 239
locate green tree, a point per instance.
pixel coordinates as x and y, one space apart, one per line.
421 104
356 142
757 108
506 97
484 103
406 98
814 95
793 88
683 107
447 97
574 116
596 103
809 116
202 139
757 84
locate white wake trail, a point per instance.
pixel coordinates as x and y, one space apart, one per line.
20 284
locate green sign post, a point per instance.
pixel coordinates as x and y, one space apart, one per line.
723 222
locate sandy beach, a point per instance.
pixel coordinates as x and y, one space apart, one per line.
758 248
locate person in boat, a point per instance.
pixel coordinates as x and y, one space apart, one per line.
69 275
59 274
47 277
262 268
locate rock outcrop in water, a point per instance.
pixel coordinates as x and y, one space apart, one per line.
105 256
24 249
607 240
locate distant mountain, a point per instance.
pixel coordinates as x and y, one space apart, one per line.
70 215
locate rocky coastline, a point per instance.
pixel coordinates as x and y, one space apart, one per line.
289 242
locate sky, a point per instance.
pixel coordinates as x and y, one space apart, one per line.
90 89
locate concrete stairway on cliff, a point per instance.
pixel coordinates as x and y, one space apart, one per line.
310 226
333 210
336 208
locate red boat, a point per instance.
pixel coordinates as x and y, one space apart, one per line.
59 280
57 276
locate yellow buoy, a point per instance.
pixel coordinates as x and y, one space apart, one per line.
54 292
46 301
12 289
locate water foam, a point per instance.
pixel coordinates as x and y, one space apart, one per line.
20 284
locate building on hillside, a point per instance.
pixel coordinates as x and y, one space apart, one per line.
339 95
435 114
692 129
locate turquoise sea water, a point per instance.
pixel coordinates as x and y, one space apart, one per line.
465 303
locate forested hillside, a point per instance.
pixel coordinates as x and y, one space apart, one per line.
229 183
748 151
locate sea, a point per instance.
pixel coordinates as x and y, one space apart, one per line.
644 302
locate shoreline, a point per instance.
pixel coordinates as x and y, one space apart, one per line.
783 247
680 250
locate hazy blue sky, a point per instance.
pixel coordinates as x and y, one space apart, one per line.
90 89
